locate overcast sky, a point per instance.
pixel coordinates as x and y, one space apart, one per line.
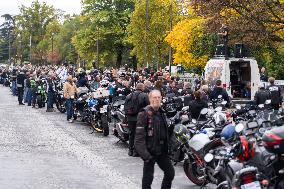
12 6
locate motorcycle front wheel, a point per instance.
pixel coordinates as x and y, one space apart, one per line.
60 106
194 173
105 125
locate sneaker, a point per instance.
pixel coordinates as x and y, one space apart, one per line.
21 104
70 121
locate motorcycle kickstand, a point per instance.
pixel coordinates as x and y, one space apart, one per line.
92 131
202 186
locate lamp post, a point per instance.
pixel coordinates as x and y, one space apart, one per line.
98 46
146 32
52 48
9 47
171 27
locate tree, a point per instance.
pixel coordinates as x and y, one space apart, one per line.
104 22
253 22
32 23
154 35
63 40
191 43
7 37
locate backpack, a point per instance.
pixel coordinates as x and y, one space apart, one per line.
131 105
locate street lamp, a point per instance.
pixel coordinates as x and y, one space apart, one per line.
146 32
52 47
171 28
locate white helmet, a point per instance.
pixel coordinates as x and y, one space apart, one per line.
104 83
220 118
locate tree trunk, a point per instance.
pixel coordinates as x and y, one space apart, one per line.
119 55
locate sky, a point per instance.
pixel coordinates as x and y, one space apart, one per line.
12 6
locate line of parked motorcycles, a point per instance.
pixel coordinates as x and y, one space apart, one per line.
241 149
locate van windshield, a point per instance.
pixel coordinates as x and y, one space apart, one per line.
213 71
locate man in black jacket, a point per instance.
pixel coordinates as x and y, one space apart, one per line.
275 92
152 141
20 86
261 95
219 91
143 101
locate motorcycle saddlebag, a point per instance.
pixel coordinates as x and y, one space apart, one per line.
273 140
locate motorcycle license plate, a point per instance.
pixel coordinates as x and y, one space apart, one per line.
252 185
103 109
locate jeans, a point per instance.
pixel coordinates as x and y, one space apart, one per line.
165 164
29 96
14 88
69 108
50 99
25 94
20 94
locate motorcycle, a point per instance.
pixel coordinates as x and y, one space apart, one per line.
41 94
59 98
120 129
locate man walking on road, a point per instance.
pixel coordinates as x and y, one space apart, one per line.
151 142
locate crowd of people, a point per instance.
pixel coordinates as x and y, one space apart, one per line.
149 133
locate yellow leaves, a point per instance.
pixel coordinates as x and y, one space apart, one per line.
183 39
281 1
229 13
268 57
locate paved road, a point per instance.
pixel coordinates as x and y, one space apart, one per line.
41 150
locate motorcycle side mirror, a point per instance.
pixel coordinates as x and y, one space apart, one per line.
224 102
186 108
204 111
268 102
261 105
239 128
238 107
218 109
208 157
194 121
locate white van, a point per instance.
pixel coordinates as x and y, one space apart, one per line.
238 75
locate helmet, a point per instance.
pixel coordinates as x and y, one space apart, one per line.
181 133
170 110
228 133
246 150
92 102
220 118
104 83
